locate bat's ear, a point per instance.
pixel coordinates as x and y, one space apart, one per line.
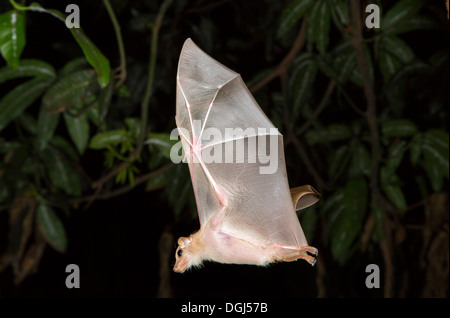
184 241
304 196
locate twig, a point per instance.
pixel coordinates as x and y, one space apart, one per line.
416 205
123 65
286 62
308 163
320 108
320 278
165 245
124 189
446 4
386 249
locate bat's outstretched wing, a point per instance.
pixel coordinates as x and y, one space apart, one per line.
235 154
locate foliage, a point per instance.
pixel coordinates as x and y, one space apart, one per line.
375 157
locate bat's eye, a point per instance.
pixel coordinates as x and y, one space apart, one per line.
180 252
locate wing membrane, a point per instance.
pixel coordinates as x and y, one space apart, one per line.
213 98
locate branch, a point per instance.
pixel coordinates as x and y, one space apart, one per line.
371 110
286 62
122 190
371 117
320 108
386 249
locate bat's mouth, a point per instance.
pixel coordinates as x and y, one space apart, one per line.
180 266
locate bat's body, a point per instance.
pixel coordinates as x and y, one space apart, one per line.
247 214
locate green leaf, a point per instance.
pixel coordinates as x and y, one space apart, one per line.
65 147
70 91
27 68
417 22
332 208
46 127
293 12
134 126
180 188
360 163
349 223
400 13
338 161
333 132
397 47
389 65
78 128
63 175
104 100
108 138
162 142
22 96
395 155
395 80
416 145
433 171
301 81
356 76
12 36
436 151
28 122
75 65
345 62
340 8
390 184
396 196
398 128
52 227
320 20
93 55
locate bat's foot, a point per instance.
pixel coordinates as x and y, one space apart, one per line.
293 253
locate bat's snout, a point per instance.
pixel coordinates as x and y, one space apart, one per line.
180 266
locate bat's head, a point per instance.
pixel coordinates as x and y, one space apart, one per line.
187 254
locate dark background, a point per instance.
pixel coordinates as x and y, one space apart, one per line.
115 242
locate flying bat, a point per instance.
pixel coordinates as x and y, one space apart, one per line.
236 161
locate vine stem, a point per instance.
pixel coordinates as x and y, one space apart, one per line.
116 25
151 73
286 62
145 101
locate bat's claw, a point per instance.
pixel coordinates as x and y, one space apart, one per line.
293 253
309 254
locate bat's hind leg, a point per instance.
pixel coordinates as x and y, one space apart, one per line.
286 253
